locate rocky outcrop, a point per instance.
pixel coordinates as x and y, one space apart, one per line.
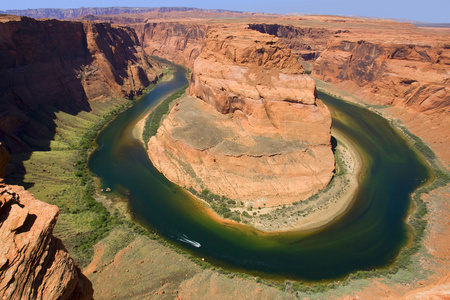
33 263
51 65
179 42
254 131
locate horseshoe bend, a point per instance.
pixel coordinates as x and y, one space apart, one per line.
275 189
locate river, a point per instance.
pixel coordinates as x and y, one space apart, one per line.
369 235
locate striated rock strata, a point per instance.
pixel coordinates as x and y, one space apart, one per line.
411 76
52 65
33 263
253 129
415 74
305 42
176 41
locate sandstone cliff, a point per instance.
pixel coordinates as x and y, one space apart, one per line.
258 134
51 65
305 42
413 77
176 41
415 74
33 263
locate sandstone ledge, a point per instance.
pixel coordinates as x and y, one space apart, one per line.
33 263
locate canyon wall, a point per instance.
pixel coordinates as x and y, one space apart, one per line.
382 62
176 41
252 128
305 42
416 75
412 79
51 65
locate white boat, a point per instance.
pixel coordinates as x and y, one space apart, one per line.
185 239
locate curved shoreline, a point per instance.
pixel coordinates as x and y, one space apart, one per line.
328 204
328 211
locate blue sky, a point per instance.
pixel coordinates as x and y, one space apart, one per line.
437 11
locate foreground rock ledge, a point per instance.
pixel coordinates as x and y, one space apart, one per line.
253 130
33 263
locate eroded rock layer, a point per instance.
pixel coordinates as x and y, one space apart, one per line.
33 263
177 41
51 65
408 71
253 129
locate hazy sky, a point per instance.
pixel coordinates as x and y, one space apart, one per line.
437 11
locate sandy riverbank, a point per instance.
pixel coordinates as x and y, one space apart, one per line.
319 210
323 207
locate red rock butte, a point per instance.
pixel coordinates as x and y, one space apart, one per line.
252 129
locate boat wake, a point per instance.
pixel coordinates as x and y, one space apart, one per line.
185 239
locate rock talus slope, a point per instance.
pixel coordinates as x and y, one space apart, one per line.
33 263
252 129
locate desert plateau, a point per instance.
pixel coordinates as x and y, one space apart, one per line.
189 153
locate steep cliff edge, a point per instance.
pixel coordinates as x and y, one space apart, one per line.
305 42
51 65
416 75
411 77
253 130
33 263
180 42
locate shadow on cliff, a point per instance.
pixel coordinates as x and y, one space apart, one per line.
37 131
28 111
334 144
51 66
42 66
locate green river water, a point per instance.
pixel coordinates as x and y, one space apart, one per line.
369 235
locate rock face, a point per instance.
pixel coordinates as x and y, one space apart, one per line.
305 42
33 263
415 74
179 42
254 131
413 77
381 62
51 65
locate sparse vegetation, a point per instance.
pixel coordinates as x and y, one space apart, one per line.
154 119
220 204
